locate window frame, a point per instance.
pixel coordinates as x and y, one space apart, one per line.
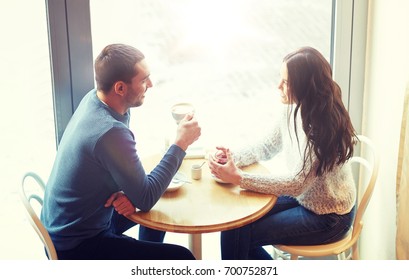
70 43
349 54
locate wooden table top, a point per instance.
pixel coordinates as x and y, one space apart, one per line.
204 205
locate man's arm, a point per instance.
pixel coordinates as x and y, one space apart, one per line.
121 204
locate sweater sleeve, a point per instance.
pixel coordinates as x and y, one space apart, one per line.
290 184
116 151
264 149
293 178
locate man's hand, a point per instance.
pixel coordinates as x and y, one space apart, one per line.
188 131
121 203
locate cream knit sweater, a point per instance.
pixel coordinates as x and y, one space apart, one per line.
333 192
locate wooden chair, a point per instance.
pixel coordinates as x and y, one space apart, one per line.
369 163
31 196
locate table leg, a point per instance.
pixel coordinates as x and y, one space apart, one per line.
195 245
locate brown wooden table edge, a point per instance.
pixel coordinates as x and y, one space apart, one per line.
206 228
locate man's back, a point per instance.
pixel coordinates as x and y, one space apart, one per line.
79 183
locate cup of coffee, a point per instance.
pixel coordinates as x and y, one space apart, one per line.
180 110
220 157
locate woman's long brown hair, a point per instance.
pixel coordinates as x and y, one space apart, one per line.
326 122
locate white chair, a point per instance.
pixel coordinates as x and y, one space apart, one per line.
369 163
29 196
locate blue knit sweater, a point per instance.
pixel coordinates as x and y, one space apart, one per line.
97 157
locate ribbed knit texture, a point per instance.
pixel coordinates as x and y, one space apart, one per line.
333 192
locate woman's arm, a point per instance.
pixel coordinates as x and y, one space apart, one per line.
264 149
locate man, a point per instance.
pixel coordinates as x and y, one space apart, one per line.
97 167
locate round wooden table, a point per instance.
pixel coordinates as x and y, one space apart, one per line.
204 205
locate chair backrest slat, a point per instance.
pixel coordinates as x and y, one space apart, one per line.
369 160
35 221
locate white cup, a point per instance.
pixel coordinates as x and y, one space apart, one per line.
220 157
180 110
196 171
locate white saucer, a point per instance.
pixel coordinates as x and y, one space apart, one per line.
178 180
218 180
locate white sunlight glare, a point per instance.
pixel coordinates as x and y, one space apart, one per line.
212 24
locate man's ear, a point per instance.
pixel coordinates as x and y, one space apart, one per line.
120 88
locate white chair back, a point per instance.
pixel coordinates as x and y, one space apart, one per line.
32 197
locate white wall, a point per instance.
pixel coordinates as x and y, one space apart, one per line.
387 74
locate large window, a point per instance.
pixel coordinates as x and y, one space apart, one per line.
222 55
27 119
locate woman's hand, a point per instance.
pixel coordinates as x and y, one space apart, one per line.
222 166
121 203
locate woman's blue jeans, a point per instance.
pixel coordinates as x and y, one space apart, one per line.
287 223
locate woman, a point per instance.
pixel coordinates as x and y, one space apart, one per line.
312 142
